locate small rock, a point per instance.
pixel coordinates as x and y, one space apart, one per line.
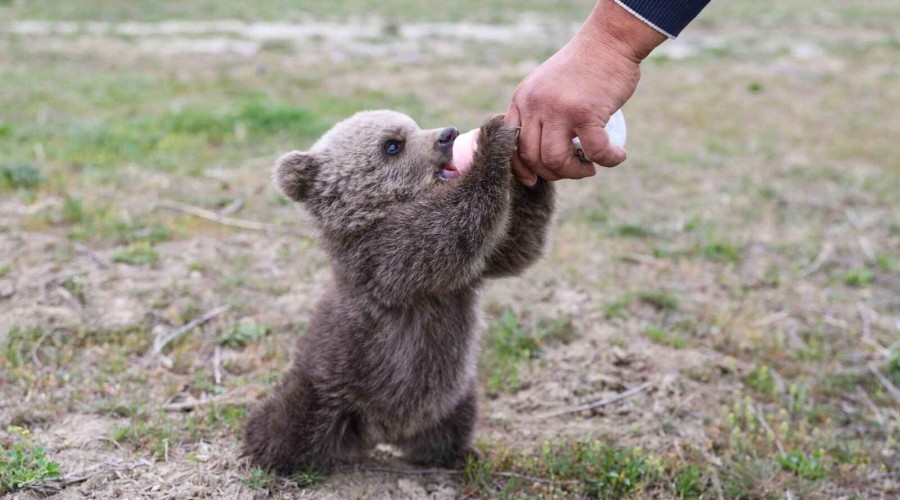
621 357
411 489
7 289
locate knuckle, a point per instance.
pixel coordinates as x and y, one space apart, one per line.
552 162
528 154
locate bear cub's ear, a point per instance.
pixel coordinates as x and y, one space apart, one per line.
294 175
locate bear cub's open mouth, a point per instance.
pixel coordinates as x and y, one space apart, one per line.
448 171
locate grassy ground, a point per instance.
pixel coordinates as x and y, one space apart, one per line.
741 271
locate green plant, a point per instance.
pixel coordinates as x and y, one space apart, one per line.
76 286
618 308
242 333
506 347
73 211
807 467
136 254
259 479
19 341
659 299
632 230
19 176
859 277
893 368
147 434
762 380
660 336
688 483
23 464
309 477
603 470
718 251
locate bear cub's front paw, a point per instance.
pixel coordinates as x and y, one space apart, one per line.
498 140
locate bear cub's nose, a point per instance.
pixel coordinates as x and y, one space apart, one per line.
446 137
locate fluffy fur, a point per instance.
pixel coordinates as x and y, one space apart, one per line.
390 352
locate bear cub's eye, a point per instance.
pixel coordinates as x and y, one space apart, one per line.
393 147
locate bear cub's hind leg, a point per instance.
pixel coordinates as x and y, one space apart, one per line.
294 429
448 442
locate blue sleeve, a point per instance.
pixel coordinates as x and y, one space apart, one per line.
667 16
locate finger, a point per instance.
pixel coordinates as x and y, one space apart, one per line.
512 115
519 170
596 145
530 149
557 154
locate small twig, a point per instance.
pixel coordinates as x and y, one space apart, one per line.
891 389
196 403
219 218
595 404
817 262
867 331
533 479
56 485
217 365
765 425
232 207
100 261
37 345
642 259
457 472
772 318
714 463
864 396
395 470
864 242
161 342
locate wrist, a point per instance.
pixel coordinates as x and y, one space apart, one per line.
611 27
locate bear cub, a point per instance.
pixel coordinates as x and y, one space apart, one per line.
390 352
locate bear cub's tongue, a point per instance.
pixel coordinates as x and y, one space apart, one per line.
464 148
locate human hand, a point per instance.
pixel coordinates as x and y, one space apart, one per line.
575 92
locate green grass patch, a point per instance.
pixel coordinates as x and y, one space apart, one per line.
147 434
664 337
22 463
509 345
762 380
805 466
659 299
577 469
141 253
632 231
720 251
259 479
94 222
77 286
241 333
18 344
20 176
858 278
688 483
217 420
618 308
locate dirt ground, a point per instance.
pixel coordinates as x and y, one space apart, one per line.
738 278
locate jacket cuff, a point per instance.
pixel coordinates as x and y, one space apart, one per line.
668 17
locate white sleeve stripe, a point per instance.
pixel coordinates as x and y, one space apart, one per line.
642 18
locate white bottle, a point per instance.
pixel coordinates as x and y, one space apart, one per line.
466 144
616 130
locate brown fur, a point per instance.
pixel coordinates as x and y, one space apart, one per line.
390 352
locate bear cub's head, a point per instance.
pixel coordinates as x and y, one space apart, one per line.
365 164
